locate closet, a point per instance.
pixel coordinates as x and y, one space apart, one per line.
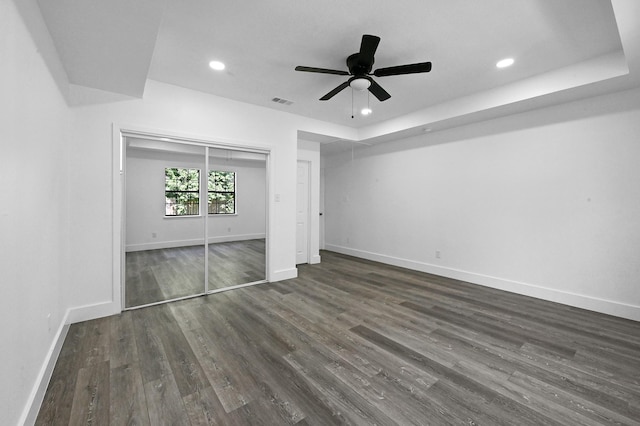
195 219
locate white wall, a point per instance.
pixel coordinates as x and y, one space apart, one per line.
34 207
169 110
145 214
544 203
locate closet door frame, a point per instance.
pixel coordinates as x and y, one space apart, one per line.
120 135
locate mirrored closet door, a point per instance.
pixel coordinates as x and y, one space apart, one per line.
237 218
195 220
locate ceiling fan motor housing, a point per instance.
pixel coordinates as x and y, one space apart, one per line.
358 65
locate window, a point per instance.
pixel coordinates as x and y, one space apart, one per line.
222 192
182 192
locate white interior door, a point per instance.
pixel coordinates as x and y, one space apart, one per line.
302 213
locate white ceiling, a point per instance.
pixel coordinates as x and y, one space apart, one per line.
115 45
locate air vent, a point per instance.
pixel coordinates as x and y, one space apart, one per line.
281 101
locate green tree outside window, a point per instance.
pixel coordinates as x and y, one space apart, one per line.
221 188
182 192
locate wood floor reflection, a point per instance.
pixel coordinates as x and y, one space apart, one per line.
164 274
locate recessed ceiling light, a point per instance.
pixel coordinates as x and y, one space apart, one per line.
507 62
216 65
366 111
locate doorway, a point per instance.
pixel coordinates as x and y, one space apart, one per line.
195 219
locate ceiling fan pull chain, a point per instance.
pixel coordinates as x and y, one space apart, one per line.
352 113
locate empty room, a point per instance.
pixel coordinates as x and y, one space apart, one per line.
320 212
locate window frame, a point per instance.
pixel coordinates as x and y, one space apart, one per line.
195 192
233 193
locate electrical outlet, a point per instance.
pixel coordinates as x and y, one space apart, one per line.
437 254
154 235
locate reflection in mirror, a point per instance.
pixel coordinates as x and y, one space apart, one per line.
236 193
165 252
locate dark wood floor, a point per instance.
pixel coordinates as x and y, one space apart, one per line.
156 275
350 342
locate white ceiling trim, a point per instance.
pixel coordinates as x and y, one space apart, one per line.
105 45
109 50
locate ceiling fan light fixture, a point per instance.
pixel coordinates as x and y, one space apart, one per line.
360 84
366 111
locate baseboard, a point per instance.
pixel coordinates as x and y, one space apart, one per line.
163 244
314 259
283 274
30 413
232 238
93 311
72 315
609 307
193 242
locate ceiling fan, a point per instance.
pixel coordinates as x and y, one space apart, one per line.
360 65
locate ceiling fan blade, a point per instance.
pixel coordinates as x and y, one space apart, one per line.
368 47
403 69
378 91
335 91
321 70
